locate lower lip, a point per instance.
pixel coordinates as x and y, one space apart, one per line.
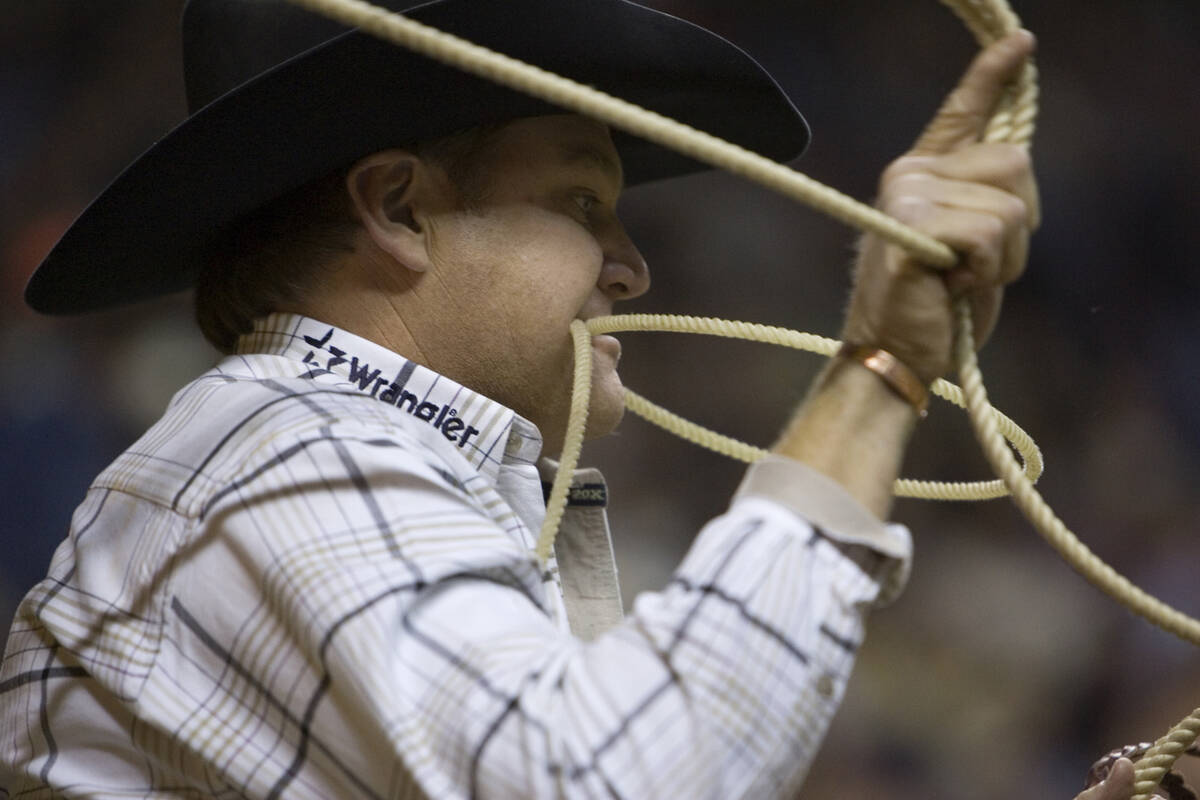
607 344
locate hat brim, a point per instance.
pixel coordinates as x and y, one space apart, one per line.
144 236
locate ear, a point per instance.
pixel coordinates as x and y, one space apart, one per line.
384 187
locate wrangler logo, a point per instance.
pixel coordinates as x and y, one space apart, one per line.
369 381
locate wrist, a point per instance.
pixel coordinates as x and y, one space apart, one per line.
853 429
897 376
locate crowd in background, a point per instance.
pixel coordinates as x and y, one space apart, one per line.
999 673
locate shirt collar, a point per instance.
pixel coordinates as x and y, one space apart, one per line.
488 433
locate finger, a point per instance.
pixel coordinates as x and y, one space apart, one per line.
916 196
981 271
984 264
953 193
986 298
1117 785
980 239
1016 256
1004 166
964 115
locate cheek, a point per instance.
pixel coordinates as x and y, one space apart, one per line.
526 272
551 272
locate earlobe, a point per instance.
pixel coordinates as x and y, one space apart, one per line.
384 187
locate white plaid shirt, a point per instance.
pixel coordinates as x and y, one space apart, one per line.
314 578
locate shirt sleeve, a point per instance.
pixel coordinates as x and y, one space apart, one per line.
357 621
829 508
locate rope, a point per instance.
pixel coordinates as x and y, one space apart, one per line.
727 446
1158 760
1013 122
1039 512
556 503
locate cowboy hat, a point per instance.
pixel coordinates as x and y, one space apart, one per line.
279 96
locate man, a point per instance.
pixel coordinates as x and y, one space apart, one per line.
314 577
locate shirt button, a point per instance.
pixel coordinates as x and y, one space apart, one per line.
825 685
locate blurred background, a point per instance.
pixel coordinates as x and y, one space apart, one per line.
999 673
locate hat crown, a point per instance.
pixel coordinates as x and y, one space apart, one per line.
228 42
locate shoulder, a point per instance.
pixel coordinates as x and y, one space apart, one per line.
226 428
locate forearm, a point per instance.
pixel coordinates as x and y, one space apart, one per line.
981 200
854 429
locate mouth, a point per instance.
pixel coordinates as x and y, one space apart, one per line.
609 345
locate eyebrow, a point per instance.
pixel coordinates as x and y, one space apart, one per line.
593 156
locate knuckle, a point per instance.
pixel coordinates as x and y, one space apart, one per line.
910 209
1015 212
1014 160
987 237
912 184
992 231
962 109
905 165
907 193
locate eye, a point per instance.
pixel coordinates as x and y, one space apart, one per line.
587 203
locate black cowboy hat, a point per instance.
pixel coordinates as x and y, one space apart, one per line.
279 97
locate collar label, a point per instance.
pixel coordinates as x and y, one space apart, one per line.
583 495
369 381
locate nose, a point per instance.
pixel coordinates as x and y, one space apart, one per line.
625 274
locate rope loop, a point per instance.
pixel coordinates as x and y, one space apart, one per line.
929 490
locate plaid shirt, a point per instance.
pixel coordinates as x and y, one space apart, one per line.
314 578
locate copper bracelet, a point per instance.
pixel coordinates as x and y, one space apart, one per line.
894 372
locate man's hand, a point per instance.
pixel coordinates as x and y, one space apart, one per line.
1117 786
980 199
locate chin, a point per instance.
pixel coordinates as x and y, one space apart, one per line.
606 406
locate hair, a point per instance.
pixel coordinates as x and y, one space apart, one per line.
270 258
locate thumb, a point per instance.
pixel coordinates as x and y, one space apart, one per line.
964 115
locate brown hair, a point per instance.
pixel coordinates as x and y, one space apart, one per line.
268 259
